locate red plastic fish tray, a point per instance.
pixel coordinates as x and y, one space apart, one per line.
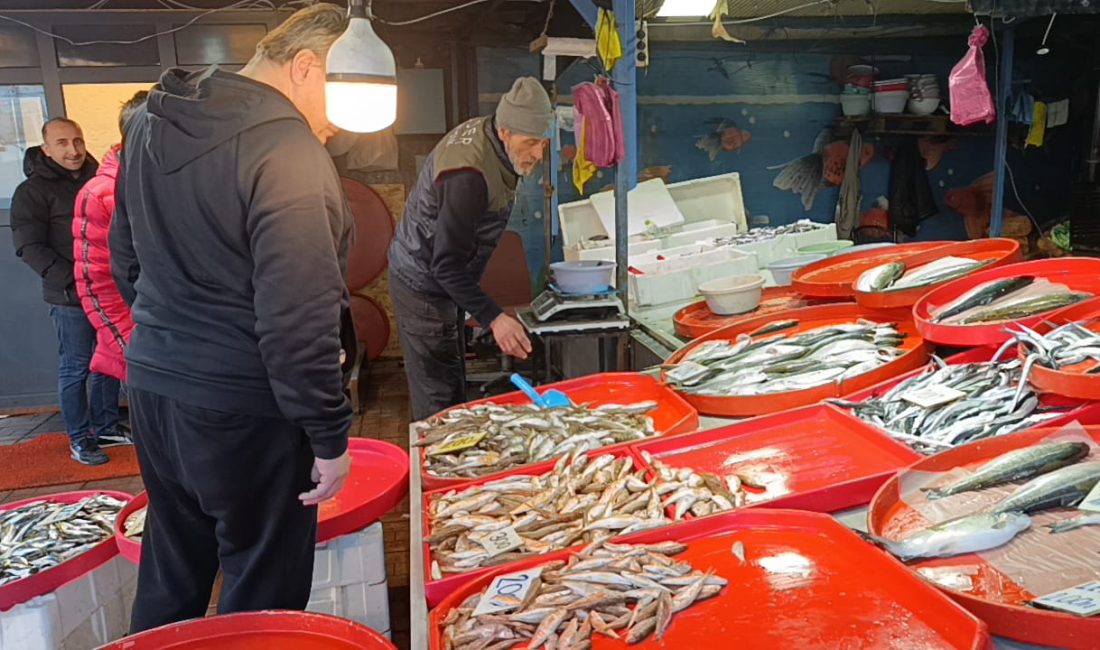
44 582
1085 411
997 600
378 480
807 582
673 413
1077 273
996 252
271 630
833 276
812 458
436 590
916 352
1070 381
698 320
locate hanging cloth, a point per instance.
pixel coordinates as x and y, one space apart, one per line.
910 193
1038 126
583 169
847 207
599 105
718 30
608 45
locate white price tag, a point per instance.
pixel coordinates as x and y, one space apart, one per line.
506 592
1082 600
501 541
932 396
1091 503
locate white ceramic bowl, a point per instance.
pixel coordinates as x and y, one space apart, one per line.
890 102
733 295
925 106
853 105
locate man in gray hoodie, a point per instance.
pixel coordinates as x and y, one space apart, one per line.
230 239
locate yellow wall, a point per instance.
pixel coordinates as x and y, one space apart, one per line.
95 108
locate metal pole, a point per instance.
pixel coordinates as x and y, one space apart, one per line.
1008 45
626 174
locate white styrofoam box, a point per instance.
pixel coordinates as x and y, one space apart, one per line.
713 197
362 603
764 251
713 229
789 244
607 253
355 558
649 202
700 200
85 613
673 280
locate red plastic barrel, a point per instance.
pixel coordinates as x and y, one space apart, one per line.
258 631
372 325
373 232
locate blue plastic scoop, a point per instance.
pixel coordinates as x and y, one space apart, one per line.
549 399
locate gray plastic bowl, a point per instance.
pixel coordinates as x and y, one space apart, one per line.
587 276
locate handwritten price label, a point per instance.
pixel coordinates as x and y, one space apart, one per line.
932 396
508 591
1082 600
501 541
1092 501
458 444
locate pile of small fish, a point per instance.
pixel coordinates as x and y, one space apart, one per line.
590 594
995 399
1056 478
765 233
699 493
489 438
134 525
893 276
758 365
1006 299
1067 345
579 501
43 534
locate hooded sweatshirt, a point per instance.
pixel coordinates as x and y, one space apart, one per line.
41 222
230 239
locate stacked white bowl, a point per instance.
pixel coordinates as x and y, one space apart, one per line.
924 94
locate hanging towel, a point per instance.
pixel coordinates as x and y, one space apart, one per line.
608 45
599 105
583 169
910 193
847 206
718 30
1038 126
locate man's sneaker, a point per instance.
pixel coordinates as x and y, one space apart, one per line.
114 438
87 452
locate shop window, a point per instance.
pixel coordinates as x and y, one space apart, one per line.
106 54
95 108
18 48
22 113
221 44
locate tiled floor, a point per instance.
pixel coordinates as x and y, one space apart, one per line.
385 417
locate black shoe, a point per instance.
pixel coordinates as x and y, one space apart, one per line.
87 452
115 437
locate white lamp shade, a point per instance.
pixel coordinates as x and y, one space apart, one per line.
361 80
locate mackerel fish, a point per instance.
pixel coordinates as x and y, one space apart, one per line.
982 295
894 276
578 501
500 437
970 534
1061 488
996 400
759 365
626 592
1017 465
43 534
1007 299
1066 525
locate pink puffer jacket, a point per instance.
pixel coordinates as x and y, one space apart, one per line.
106 310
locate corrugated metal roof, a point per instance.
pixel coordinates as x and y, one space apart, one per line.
827 8
1024 8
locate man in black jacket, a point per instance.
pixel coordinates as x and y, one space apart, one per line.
42 221
453 221
230 238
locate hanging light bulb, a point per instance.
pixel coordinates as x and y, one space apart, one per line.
1043 49
361 77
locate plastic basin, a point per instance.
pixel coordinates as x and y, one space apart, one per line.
585 276
733 295
825 247
782 270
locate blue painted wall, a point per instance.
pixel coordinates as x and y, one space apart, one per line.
784 99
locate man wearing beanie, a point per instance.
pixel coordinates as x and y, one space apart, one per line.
453 220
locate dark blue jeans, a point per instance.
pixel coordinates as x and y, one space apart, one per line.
89 400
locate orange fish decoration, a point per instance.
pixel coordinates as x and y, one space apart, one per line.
836 159
726 137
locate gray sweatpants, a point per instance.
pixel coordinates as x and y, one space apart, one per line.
433 346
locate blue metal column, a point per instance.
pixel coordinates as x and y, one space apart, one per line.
1008 46
626 174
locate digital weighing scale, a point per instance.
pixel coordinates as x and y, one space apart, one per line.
554 311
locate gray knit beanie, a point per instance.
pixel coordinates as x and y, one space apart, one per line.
526 109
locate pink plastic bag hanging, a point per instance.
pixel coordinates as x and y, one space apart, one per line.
971 101
602 121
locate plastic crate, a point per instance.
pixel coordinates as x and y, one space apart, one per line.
349 579
83 613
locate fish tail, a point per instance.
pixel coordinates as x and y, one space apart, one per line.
934 493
